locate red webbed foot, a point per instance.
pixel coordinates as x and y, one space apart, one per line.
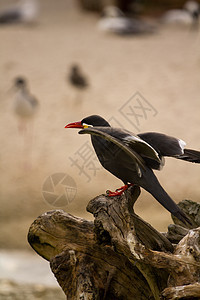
119 191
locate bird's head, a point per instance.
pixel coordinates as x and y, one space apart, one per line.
75 68
191 6
91 121
20 82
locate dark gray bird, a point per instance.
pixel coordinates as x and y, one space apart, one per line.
132 158
76 78
26 11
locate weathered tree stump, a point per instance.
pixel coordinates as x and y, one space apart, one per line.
119 255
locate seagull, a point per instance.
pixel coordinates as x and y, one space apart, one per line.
114 21
132 158
189 15
25 11
25 104
25 107
76 78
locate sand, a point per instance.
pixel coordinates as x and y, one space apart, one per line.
162 69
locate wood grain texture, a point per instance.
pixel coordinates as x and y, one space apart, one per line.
119 255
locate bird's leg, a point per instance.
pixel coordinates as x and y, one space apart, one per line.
120 190
22 128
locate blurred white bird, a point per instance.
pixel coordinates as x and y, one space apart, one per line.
25 104
25 107
113 20
188 15
25 11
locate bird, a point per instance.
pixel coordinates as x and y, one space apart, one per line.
188 15
132 158
113 20
25 107
25 104
76 78
25 11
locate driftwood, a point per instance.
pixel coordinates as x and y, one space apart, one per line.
119 255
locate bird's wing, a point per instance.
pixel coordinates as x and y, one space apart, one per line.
34 102
142 147
135 143
151 157
169 146
165 145
190 156
100 131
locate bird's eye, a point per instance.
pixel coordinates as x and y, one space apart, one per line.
86 125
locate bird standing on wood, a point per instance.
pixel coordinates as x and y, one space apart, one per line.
131 157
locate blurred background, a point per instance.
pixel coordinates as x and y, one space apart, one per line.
141 74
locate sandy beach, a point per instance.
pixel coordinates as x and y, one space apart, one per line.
157 76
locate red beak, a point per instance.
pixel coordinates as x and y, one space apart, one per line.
74 125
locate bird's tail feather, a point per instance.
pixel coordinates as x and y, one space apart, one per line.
190 155
165 200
